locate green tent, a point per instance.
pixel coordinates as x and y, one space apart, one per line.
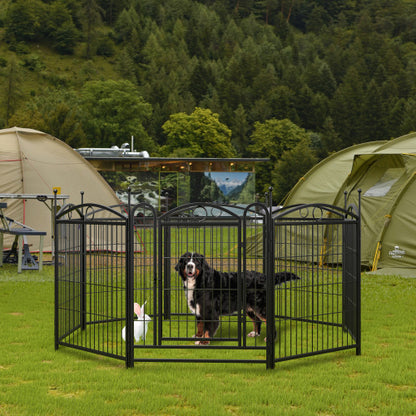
385 173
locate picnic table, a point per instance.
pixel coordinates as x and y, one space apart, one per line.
47 199
20 248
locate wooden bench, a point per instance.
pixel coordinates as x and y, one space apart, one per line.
25 260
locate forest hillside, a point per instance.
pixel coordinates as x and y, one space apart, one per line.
293 80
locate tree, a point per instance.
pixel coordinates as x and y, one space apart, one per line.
240 129
293 164
11 90
374 115
273 137
24 20
346 107
127 22
112 9
409 116
199 134
270 139
329 138
65 38
113 111
200 80
60 28
91 18
56 112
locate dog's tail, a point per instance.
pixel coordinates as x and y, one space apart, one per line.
283 277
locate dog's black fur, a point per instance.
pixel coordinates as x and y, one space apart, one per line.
211 293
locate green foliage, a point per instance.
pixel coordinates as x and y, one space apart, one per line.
343 70
35 21
199 134
24 20
105 46
293 164
61 28
56 112
127 23
273 138
65 38
11 90
113 111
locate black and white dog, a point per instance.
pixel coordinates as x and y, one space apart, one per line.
211 293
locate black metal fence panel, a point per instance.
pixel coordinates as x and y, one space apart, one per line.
90 279
207 277
319 312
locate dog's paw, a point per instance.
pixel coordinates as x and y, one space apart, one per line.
253 334
201 342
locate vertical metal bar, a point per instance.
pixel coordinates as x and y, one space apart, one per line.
155 274
241 288
166 273
159 284
270 288
83 276
129 285
56 260
83 264
358 274
244 271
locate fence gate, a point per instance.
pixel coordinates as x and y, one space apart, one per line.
108 259
215 232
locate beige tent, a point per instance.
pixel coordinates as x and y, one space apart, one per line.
33 162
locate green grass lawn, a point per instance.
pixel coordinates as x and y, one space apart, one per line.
37 380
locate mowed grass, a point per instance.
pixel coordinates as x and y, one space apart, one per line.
37 380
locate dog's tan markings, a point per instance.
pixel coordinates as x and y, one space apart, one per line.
200 329
203 335
203 342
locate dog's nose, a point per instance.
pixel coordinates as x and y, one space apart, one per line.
190 268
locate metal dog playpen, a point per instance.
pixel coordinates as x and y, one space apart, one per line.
108 259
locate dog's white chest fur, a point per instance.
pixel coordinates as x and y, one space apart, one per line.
189 292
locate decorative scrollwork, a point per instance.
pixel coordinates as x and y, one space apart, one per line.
90 212
68 215
318 213
304 212
194 214
200 213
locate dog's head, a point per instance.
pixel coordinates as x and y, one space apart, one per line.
190 265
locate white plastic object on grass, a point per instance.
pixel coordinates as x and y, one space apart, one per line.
140 324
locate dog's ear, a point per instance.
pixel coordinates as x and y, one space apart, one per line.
180 268
205 264
202 261
179 264
198 256
181 261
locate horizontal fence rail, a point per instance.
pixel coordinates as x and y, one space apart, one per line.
269 287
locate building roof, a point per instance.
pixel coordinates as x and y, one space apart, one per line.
168 164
